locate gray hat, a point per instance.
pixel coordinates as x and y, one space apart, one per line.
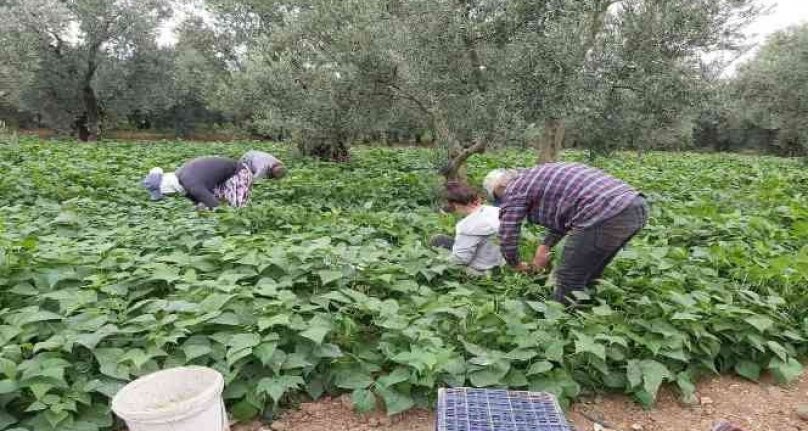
152 183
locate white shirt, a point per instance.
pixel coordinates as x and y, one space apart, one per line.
476 240
169 184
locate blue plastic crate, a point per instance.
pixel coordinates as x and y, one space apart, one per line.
468 409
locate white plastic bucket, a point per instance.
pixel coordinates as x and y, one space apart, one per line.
177 399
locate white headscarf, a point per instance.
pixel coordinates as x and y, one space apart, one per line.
170 184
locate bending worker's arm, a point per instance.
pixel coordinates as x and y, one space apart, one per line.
511 214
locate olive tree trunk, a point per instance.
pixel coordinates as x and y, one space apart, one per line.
92 112
550 143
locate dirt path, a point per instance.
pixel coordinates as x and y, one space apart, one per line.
756 407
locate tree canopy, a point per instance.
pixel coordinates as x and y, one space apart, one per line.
466 75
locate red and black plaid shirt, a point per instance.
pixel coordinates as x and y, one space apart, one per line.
560 197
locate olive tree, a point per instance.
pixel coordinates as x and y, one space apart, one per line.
70 43
772 89
647 76
477 73
337 71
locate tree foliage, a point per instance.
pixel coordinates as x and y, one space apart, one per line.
774 89
466 75
72 50
478 73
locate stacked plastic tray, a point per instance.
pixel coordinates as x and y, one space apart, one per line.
467 409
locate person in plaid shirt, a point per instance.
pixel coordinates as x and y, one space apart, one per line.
597 213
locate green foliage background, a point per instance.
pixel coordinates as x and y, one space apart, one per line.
324 284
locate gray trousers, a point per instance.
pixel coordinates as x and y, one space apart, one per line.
588 251
442 241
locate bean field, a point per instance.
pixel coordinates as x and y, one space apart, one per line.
325 283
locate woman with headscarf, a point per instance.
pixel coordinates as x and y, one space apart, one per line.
263 165
207 181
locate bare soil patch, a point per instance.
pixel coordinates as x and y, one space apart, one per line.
753 406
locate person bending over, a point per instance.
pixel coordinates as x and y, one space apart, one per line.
263 165
206 181
597 213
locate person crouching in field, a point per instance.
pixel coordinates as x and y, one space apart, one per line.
474 244
206 181
597 213
263 165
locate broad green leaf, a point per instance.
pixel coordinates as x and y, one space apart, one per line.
90 341
748 369
395 401
227 319
555 351
602 310
586 344
196 347
8 368
515 379
236 390
633 373
327 276
267 287
70 300
398 375
265 352
55 418
653 374
108 387
420 359
6 419
557 382
233 355
7 333
475 349
108 363
761 323
785 371
165 273
136 357
36 406
363 400
40 389
687 387
315 387
681 315
215 302
778 350
294 361
489 376
243 341
26 318
521 355
328 351
7 386
243 410
645 398
351 378
539 367
316 333
277 320
276 387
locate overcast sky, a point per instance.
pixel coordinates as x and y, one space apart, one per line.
785 13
